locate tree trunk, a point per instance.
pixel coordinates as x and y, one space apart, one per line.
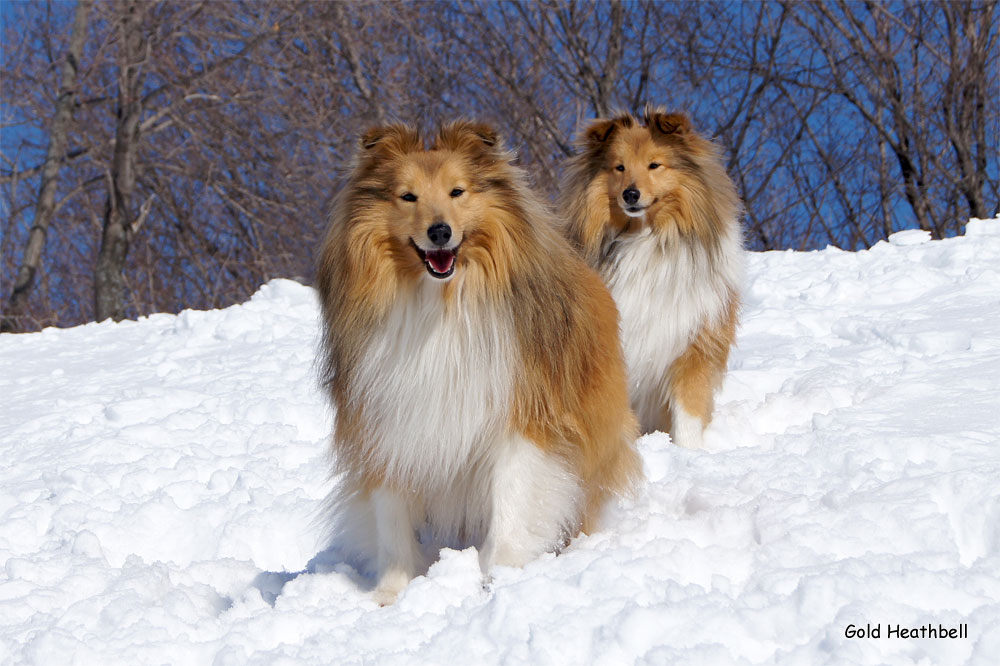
109 278
966 90
45 205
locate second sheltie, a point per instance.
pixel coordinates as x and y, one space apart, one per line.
473 359
652 209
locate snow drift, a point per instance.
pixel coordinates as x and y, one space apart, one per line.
160 482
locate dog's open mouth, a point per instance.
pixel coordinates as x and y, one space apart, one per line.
635 211
439 263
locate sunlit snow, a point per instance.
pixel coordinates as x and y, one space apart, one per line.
161 487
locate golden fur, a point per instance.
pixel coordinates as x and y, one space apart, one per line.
688 208
567 396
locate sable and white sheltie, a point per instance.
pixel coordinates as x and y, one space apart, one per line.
473 359
651 207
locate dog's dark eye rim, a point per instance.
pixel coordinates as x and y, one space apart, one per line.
457 192
620 167
408 196
655 165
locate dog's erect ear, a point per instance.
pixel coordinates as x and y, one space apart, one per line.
393 139
677 125
468 137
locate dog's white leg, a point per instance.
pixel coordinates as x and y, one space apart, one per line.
686 429
398 553
535 502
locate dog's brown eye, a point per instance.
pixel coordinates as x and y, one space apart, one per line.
620 167
408 196
457 192
654 165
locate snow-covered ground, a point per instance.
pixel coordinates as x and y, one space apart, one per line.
160 483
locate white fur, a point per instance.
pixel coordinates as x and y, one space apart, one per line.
518 503
686 429
398 556
535 504
436 388
666 292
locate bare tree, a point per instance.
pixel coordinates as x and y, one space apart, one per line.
970 54
918 79
182 93
55 156
120 223
207 138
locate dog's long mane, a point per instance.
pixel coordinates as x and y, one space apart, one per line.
513 256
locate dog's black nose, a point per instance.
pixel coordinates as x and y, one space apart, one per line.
630 196
439 234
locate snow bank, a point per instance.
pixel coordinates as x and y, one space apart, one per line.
159 482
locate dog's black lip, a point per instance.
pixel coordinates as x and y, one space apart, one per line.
440 276
423 258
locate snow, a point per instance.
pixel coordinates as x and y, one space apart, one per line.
910 237
162 481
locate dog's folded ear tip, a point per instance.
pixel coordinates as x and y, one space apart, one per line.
371 137
394 137
600 130
457 134
668 123
489 138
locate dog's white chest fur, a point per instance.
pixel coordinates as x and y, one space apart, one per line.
435 384
666 293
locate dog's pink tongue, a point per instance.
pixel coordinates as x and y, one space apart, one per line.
441 260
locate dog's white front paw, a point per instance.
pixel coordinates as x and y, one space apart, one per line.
508 552
687 430
390 584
